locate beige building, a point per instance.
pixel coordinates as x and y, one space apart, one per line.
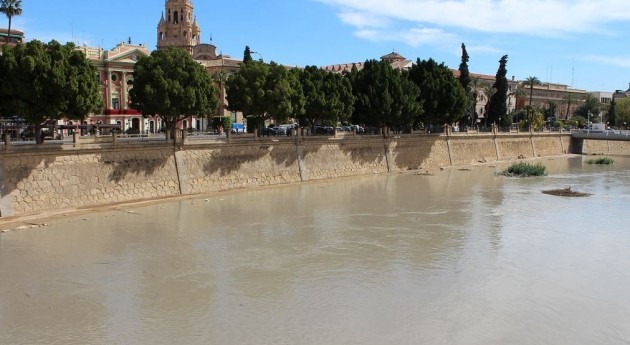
115 73
565 98
177 28
11 39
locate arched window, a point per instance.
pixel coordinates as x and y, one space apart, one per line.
175 18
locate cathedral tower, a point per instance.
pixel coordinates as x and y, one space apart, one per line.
178 27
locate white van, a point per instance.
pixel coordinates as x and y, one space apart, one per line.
596 127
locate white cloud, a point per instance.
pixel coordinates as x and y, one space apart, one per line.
531 17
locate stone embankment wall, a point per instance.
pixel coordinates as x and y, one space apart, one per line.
43 178
606 147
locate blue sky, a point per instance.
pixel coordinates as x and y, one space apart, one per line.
579 43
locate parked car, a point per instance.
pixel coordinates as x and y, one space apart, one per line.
269 131
323 130
285 129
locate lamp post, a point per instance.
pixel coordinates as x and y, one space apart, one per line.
261 58
588 122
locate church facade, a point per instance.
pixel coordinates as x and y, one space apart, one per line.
177 28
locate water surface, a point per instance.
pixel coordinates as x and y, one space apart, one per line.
457 257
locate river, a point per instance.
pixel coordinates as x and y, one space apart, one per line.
458 256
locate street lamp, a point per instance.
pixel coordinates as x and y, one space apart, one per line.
261 58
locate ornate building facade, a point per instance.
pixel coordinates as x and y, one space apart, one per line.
178 26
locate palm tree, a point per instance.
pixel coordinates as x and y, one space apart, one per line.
10 8
531 82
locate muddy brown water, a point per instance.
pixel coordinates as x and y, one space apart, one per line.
461 256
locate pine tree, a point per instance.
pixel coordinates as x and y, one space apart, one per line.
497 110
464 74
247 55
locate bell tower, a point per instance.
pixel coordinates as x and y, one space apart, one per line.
178 26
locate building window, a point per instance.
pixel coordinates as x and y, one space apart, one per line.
115 103
114 77
176 18
233 116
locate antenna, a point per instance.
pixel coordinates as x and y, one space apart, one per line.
572 71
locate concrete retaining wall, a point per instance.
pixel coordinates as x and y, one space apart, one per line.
64 178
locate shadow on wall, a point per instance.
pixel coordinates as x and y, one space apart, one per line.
134 163
18 168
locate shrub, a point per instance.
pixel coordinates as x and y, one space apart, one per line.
525 170
601 161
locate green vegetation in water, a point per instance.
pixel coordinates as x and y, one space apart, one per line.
565 192
601 161
525 170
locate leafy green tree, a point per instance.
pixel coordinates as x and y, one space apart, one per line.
171 85
247 55
497 111
612 113
10 8
47 82
488 91
576 121
444 99
622 110
550 111
591 105
384 96
265 91
328 97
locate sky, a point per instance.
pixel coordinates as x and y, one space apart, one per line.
579 43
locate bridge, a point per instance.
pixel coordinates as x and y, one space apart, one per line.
609 134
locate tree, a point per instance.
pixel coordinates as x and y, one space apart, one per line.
247 55
622 109
43 83
550 111
497 110
219 78
590 109
328 97
384 96
10 8
464 74
612 113
488 91
530 82
443 98
171 85
265 91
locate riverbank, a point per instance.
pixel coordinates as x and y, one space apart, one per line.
44 179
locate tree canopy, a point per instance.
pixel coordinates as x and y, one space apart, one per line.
443 97
464 73
384 96
328 97
592 106
170 84
497 109
265 91
46 82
